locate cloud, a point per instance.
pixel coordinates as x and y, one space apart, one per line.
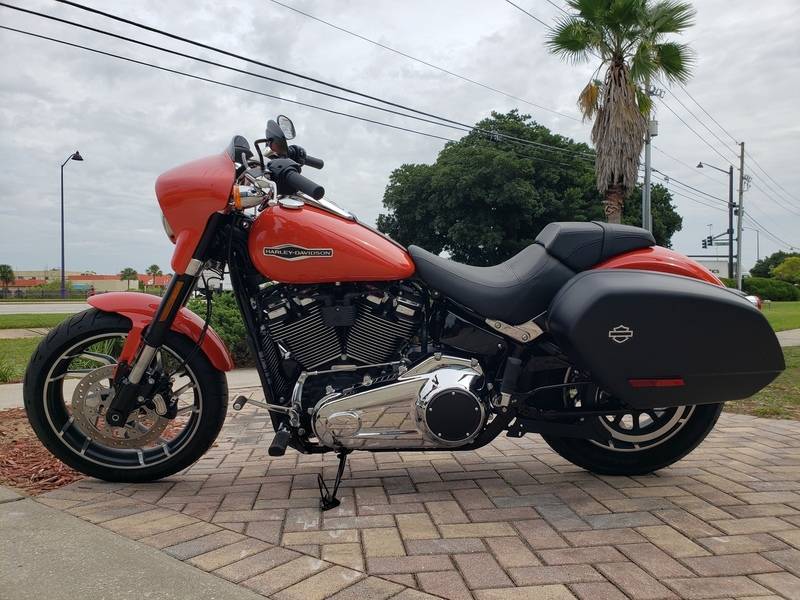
131 123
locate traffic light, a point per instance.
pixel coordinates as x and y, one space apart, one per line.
708 242
705 243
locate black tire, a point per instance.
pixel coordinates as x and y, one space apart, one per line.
41 397
603 460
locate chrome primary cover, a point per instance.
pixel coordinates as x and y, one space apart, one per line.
395 414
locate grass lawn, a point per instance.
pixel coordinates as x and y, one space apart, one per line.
783 315
780 399
14 356
31 321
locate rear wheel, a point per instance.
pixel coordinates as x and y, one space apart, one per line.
639 441
67 390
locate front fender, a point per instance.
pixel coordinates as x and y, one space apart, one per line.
140 308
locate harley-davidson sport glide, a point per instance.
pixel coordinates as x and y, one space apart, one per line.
593 337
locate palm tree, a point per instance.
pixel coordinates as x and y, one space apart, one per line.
153 271
627 37
7 276
129 274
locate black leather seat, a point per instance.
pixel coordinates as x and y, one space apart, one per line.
581 246
521 288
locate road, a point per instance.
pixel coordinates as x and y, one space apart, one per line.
27 308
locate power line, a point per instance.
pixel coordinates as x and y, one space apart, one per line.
679 161
780 241
686 185
693 130
534 17
557 6
774 199
445 122
735 141
724 145
221 83
766 216
785 191
421 61
276 97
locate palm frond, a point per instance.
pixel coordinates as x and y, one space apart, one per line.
570 38
670 16
643 63
674 60
588 99
644 101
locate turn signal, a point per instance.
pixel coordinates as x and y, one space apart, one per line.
236 198
245 196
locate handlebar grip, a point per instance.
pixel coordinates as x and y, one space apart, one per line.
313 161
304 184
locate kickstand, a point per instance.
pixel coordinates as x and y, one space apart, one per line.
328 500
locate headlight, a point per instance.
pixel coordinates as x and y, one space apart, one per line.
167 228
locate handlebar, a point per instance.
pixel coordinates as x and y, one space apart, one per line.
286 174
316 163
304 184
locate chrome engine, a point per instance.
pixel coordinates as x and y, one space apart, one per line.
434 404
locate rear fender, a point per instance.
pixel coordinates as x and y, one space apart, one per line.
661 260
140 308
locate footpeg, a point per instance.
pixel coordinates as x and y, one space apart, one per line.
280 442
239 402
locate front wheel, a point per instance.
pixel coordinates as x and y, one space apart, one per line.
640 442
67 389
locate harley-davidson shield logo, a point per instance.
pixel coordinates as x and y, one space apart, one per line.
291 252
620 334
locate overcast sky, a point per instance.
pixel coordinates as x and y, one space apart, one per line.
131 123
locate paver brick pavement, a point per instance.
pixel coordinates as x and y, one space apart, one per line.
510 520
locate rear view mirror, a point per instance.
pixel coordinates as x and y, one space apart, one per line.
286 126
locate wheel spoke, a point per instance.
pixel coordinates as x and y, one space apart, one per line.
106 359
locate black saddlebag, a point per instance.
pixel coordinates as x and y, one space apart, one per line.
655 340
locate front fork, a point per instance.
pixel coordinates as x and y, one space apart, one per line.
130 385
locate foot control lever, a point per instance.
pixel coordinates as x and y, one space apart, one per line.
328 499
279 442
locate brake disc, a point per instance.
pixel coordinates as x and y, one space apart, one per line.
90 401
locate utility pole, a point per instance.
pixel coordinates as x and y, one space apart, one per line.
652 131
730 222
740 212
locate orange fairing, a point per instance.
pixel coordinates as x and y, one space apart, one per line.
311 245
189 195
140 308
662 260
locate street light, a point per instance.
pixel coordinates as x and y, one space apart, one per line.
758 241
74 156
729 172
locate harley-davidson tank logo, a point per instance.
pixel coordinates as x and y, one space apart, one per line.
291 252
620 334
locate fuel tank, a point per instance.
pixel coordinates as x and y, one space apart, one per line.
307 244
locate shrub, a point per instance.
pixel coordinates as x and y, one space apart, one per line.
766 289
227 322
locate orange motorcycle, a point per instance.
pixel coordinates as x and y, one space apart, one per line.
593 337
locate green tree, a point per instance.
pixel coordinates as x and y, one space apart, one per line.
666 220
764 266
788 270
482 201
154 271
627 37
129 274
7 276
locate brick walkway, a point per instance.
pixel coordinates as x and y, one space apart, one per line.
512 520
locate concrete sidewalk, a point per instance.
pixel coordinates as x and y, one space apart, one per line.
15 334
49 554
